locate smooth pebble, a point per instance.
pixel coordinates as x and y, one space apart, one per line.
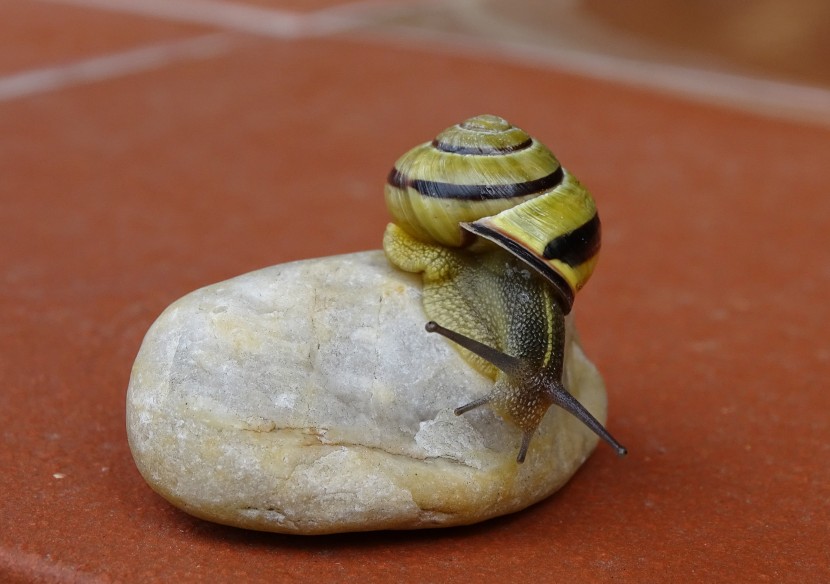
307 398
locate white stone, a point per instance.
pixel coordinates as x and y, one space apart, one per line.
308 398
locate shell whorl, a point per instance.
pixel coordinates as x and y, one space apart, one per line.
489 178
471 170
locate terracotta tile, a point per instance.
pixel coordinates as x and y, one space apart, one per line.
706 312
43 34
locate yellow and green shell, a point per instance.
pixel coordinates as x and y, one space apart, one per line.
489 178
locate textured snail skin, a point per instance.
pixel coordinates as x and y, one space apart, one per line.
503 298
497 300
484 297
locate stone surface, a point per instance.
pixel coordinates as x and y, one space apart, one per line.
307 398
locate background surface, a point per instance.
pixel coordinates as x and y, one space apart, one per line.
148 148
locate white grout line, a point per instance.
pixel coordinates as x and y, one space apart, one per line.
145 58
226 16
270 22
29 566
770 98
774 99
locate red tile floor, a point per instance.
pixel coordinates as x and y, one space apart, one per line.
151 147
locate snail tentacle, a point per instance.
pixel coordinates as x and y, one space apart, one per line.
506 363
565 400
513 367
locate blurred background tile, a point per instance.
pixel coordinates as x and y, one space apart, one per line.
151 147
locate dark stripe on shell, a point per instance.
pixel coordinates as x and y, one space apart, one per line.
442 190
481 150
578 246
564 293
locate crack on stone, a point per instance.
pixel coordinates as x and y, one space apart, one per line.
313 357
319 435
434 515
272 508
378 355
437 511
281 519
176 377
314 346
425 458
262 426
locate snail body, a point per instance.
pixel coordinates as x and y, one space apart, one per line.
504 238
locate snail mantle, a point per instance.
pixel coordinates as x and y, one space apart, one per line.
306 398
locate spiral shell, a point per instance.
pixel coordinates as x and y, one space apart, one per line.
489 178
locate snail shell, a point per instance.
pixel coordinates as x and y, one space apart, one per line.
489 178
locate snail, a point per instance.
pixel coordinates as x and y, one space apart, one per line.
503 237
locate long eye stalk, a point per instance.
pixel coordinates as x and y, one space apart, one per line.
512 366
563 398
506 363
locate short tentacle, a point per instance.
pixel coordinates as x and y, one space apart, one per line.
472 405
526 436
